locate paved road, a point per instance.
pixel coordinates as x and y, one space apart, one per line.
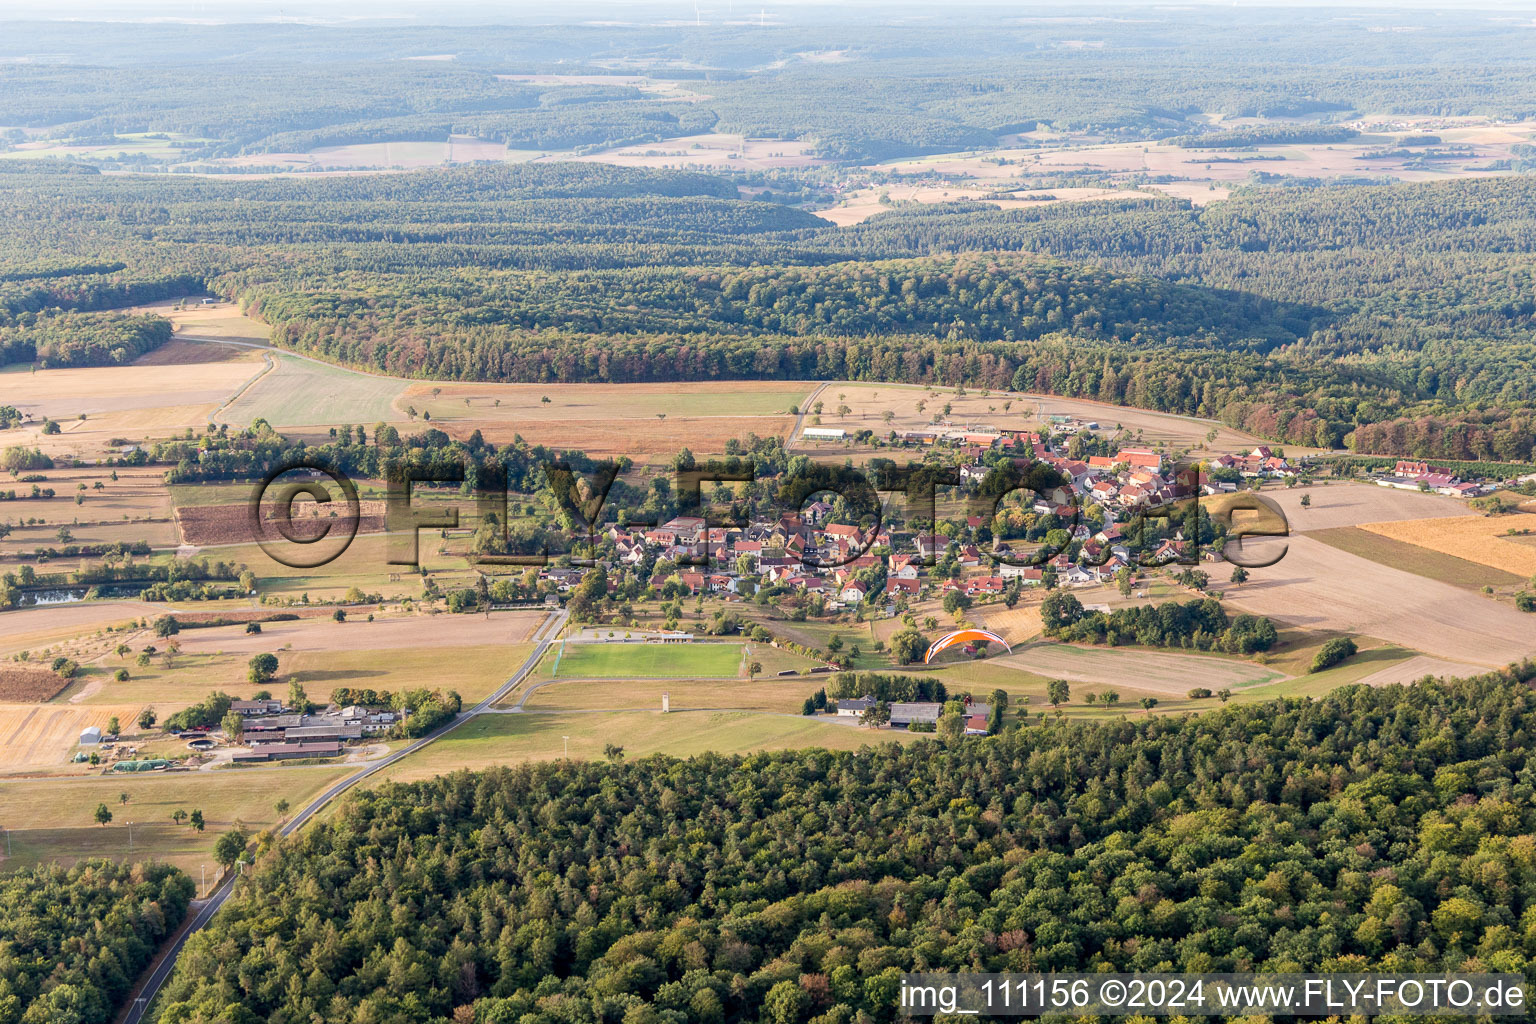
205 913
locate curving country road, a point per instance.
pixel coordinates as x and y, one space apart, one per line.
204 914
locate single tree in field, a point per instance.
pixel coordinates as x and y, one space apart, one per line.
613 752
167 625
178 816
103 815
113 725
261 669
281 807
147 718
1223 695
340 615
123 650
122 798
1058 691
197 819
753 668
1306 500
1110 698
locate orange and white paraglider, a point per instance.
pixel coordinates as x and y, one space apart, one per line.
961 636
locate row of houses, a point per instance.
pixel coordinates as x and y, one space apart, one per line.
1409 475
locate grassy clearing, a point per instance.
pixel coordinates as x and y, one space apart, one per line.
1421 561
639 661
781 695
492 740
297 392
52 819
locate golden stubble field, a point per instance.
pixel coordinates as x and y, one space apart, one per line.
1486 540
913 407
638 420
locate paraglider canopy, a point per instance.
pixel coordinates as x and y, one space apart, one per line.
961 636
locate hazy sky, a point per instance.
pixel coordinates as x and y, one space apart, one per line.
438 11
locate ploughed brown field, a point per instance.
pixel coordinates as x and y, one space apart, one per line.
24 685
205 525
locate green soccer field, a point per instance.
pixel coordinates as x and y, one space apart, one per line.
664 661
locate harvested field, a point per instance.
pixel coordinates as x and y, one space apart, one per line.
645 442
1011 410
184 351
29 685
1355 504
1421 561
415 631
218 321
28 628
612 419
1485 540
492 740
702 152
1416 668
1322 588
1015 625
66 393
1141 670
863 204
203 525
41 735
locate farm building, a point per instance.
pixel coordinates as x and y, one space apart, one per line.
823 434
90 736
288 751
852 707
256 707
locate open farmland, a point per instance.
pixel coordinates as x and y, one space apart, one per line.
1355 504
1143 671
32 628
669 661
298 392
41 736
863 204
1504 543
51 818
29 685
120 401
784 696
713 151
385 633
1421 561
1322 588
499 739
1009 410
612 419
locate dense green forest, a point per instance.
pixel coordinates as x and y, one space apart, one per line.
1374 829
73 942
1397 318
